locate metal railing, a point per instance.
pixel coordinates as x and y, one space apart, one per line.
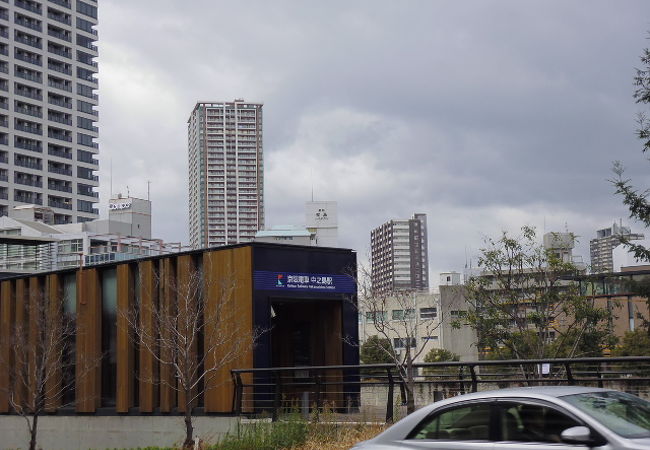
376 391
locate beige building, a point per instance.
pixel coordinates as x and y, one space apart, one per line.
421 320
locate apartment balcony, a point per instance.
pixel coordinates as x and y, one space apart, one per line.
62 18
29 59
59 153
59 204
59 187
59 35
28 23
60 171
35 77
4 139
59 68
59 136
29 6
4 177
31 42
4 14
28 128
64 3
4 195
4 158
28 111
59 119
29 164
88 194
58 102
29 94
28 182
60 52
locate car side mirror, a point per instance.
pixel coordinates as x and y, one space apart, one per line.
577 435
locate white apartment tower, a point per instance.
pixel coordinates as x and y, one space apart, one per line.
48 100
226 173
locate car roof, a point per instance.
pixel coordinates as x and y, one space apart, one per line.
535 392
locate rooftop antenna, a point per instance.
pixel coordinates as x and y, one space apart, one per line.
111 176
148 190
127 191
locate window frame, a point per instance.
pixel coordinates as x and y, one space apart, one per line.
493 433
501 402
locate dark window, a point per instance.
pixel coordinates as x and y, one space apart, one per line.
533 423
109 337
86 9
463 423
70 354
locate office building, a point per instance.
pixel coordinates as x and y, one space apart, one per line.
226 173
30 241
606 240
48 100
399 255
321 219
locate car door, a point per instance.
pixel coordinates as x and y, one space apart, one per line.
466 426
533 425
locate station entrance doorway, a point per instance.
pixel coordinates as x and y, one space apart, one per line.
308 333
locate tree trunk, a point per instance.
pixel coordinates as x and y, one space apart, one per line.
410 384
189 429
32 433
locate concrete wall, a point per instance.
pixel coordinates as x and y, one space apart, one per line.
83 432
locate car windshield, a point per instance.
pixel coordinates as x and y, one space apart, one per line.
624 414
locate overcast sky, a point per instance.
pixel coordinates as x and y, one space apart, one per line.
485 115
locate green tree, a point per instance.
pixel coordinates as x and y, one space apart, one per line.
440 355
635 343
525 305
376 351
634 199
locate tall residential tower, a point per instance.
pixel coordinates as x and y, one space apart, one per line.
606 240
399 255
226 173
47 107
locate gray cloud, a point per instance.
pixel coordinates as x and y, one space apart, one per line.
484 115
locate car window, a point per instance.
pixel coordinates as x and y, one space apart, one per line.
622 413
464 423
522 422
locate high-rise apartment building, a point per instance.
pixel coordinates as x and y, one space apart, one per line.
48 107
226 173
399 255
601 248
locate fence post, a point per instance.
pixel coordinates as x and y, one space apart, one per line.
472 373
319 399
239 388
569 374
277 398
389 400
461 385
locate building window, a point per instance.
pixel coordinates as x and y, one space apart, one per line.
401 342
376 316
429 338
428 313
403 314
109 337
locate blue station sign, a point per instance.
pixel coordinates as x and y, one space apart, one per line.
293 281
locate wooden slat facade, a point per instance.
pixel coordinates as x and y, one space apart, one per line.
6 353
228 279
141 381
125 347
147 362
89 341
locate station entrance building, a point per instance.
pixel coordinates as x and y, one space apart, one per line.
295 305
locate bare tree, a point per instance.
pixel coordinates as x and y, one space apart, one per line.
172 329
41 369
404 317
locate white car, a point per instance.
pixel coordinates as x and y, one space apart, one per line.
535 418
